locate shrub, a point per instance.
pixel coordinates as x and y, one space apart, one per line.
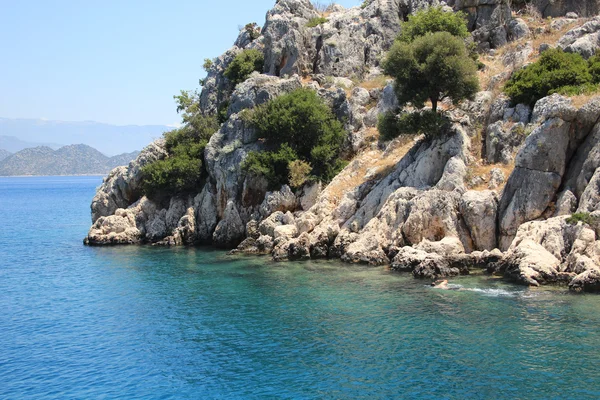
253 31
554 72
207 64
586 218
426 123
243 65
365 3
594 68
181 171
296 126
433 67
431 20
316 21
222 111
299 173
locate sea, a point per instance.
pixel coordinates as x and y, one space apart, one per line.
143 322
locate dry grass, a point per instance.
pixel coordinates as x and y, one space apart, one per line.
375 83
368 165
583 99
494 65
485 169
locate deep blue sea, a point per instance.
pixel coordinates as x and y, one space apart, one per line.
154 323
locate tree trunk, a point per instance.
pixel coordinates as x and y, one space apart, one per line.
434 102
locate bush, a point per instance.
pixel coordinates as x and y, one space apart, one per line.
586 218
299 173
253 31
207 64
431 20
181 171
244 64
316 21
433 67
594 68
426 123
296 126
555 72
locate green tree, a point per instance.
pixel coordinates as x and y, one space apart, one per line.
244 64
432 67
433 19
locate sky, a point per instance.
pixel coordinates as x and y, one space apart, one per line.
112 61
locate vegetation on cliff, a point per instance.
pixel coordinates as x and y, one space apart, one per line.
182 170
245 63
296 126
429 61
555 72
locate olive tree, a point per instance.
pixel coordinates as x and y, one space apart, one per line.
432 67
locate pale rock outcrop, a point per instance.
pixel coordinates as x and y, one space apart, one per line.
539 167
479 210
122 186
584 40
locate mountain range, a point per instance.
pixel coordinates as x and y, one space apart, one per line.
78 159
18 134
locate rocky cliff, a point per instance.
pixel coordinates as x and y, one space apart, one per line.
495 192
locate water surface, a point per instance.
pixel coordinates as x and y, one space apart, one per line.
143 322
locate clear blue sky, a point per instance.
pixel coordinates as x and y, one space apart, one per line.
112 61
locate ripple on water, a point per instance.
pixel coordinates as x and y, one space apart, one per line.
142 322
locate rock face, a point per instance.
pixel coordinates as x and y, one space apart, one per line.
403 203
584 40
557 8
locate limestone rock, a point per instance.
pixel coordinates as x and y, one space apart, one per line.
584 40
479 210
121 187
530 264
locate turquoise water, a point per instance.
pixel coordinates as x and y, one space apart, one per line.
143 322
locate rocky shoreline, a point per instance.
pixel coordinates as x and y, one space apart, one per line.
416 204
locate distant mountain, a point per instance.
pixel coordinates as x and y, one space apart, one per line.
109 139
14 144
78 159
4 154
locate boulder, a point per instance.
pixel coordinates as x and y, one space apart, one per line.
584 40
479 211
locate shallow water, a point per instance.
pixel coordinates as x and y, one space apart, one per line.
143 322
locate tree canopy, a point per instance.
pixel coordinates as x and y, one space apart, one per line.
433 19
432 67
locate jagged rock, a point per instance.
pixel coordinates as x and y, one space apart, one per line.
584 40
259 89
566 204
453 177
501 144
517 57
539 167
517 29
299 248
588 281
217 88
121 187
479 210
281 200
479 108
285 231
310 194
590 198
230 231
497 178
119 228
553 106
529 264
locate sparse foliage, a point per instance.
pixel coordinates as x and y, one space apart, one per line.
316 21
584 217
207 64
299 173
